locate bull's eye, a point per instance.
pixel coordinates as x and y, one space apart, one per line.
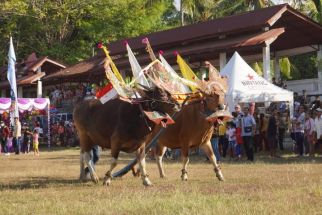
153 105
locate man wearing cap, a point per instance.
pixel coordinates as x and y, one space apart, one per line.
318 126
16 135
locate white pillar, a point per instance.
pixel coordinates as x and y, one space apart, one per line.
319 59
3 93
20 92
277 69
222 60
266 63
39 89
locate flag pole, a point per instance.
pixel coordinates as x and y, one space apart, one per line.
181 13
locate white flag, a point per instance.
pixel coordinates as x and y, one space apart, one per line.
183 88
11 75
177 4
136 68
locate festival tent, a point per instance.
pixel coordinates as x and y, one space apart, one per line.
246 86
28 104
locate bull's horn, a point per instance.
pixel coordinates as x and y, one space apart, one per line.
143 87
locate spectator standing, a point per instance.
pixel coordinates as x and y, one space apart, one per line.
248 130
281 121
239 141
257 138
223 141
308 134
35 142
299 130
272 133
231 135
214 142
263 123
238 111
318 127
61 131
4 137
16 135
26 140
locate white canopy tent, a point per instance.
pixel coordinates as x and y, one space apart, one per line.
246 86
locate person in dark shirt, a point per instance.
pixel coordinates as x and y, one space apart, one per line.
272 133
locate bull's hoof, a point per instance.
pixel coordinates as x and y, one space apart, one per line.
85 177
219 174
146 181
184 175
95 179
107 181
163 176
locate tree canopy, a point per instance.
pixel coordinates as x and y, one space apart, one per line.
67 29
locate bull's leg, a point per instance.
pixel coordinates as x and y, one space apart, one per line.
140 153
160 150
82 175
185 161
135 171
90 165
108 175
210 154
184 172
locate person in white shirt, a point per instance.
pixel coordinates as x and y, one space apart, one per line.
318 127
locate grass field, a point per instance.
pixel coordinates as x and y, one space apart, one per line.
48 185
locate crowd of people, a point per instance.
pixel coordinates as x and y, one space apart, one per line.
71 93
63 133
250 131
19 138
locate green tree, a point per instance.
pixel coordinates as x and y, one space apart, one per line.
67 30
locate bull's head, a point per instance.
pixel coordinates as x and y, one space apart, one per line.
214 89
157 99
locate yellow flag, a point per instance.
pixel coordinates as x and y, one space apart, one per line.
186 71
114 69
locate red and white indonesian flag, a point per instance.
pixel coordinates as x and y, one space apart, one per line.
107 93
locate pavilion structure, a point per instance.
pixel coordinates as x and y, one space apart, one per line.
261 35
29 73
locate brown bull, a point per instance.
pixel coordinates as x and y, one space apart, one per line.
120 126
192 129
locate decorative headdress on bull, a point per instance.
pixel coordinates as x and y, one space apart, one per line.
212 90
154 102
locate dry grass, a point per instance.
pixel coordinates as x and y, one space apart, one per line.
48 185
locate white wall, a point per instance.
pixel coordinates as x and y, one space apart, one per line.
310 85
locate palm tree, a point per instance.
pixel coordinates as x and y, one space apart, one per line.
312 8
